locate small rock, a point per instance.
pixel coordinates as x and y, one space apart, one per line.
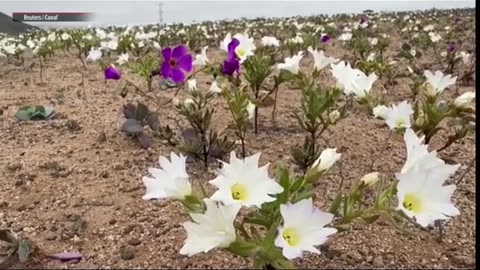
14 166
127 252
134 241
356 256
104 174
19 183
378 262
21 208
51 236
143 219
128 229
112 221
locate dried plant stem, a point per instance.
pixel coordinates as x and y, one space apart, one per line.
385 144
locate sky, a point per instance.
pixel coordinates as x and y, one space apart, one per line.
146 12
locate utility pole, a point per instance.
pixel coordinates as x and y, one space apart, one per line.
160 13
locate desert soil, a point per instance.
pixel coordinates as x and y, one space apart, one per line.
74 183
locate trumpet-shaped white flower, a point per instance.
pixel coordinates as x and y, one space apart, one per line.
373 41
370 179
463 100
292 64
94 54
362 84
122 58
320 59
297 39
345 75
224 43
213 229
109 45
327 158
303 228
65 36
422 196
201 59
438 82
270 41
380 111
242 182
30 44
371 57
399 116
170 181
418 157
214 88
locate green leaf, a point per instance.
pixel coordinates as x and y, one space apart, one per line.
23 115
243 248
370 218
297 184
336 204
258 221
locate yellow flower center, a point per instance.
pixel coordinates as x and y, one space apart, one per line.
412 202
240 52
291 236
239 192
400 123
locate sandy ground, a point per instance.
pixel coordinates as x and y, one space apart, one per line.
74 183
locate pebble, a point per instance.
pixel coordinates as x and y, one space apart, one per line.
14 166
51 236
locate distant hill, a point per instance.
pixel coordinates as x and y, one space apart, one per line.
7 25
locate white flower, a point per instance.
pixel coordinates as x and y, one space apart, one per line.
380 111
156 45
399 116
320 59
434 37
87 37
438 82
422 196
245 48
52 36
210 230
170 181
345 36
268 41
122 58
418 157
326 160
464 56
297 39
192 85
371 57
413 52
373 41
109 45
370 179
443 54
345 75
303 228
292 64
30 44
201 59
362 84
94 54
214 88
243 182
429 28
65 36
463 100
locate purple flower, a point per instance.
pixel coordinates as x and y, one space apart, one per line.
230 66
451 47
324 38
175 63
232 63
111 73
363 20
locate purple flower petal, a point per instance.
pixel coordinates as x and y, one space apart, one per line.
179 51
230 66
233 45
325 39
66 256
112 73
185 62
165 69
177 75
167 54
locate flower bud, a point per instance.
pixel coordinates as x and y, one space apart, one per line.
334 116
370 179
326 160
